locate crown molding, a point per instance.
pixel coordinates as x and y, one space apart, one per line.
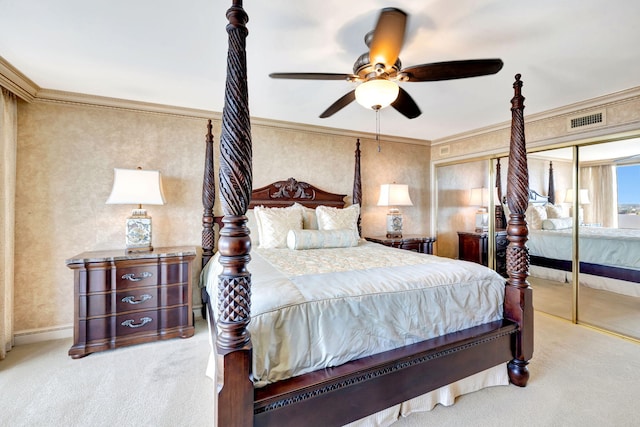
16 82
301 127
566 110
63 97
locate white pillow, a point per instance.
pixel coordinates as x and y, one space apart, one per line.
338 219
554 211
557 223
309 219
535 215
252 224
318 239
275 223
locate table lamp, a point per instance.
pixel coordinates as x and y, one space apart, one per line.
137 187
480 197
394 195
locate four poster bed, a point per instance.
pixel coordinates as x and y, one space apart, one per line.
254 384
609 257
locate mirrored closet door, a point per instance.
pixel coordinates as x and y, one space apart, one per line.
466 214
608 206
550 223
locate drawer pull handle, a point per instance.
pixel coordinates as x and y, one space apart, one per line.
131 299
133 278
143 321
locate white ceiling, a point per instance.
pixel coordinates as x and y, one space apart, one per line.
174 53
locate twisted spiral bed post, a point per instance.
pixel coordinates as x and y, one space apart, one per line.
233 342
518 304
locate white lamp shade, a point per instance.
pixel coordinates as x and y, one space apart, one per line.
136 187
583 196
479 197
376 94
394 195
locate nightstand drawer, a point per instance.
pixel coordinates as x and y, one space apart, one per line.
100 304
101 277
139 322
131 274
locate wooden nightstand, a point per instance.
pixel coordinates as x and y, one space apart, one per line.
130 298
421 244
474 246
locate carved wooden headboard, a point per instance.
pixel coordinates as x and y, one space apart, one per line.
285 193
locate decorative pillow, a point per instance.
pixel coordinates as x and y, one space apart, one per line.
318 239
275 223
535 215
557 223
555 211
338 219
252 224
309 219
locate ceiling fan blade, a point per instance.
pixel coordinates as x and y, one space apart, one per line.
313 76
388 37
452 70
347 99
405 104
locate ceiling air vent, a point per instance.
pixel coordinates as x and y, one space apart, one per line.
588 121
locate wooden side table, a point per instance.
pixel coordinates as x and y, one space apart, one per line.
474 246
130 298
411 242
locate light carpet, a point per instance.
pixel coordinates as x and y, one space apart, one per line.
579 377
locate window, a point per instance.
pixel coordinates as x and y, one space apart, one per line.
628 193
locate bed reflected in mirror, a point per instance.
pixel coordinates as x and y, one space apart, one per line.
551 231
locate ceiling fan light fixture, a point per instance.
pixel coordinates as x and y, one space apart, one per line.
377 93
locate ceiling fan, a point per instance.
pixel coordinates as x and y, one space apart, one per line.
378 70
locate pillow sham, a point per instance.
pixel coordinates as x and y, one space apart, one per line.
555 211
535 215
319 239
309 219
275 223
337 219
557 223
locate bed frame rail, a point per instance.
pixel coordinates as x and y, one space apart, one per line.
336 396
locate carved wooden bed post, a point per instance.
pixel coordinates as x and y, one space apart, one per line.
233 342
208 199
518 295
551 194
357 184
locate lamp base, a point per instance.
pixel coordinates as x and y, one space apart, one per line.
138 232
394 224
482 221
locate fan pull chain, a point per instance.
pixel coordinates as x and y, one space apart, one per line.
378 128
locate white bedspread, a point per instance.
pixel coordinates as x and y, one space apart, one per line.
598 245
323 307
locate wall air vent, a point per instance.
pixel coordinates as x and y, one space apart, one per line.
444 150
587 121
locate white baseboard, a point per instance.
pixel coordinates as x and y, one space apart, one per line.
31 336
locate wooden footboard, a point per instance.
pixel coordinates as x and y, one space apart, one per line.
339 395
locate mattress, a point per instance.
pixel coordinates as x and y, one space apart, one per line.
318 308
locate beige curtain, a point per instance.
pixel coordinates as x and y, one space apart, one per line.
603 195
8 148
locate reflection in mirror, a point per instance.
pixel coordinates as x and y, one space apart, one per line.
550 226
456 209
609 236
464 192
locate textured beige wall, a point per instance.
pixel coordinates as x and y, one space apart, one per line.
66 155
